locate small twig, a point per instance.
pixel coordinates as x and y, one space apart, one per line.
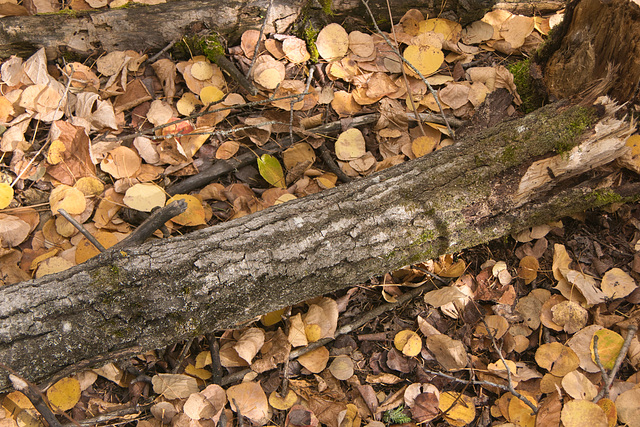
155 57
257 48
504 362
603 372
151 224
410 65
35 396
367 317
82 230
462 381
183 355
110 416
325 154
631 331
216 366
233 71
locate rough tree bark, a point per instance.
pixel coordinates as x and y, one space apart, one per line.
499 181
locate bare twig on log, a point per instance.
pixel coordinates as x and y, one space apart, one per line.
82 230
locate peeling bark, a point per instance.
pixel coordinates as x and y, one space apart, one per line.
483 187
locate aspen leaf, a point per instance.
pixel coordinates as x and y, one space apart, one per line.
609 346
451 30
210 94
528 269
144 197
272 318
227 150
627 407
316 360
164 411
450 353
617 284
121 162
578 386
13 230
332 42
6 194
197 407
579 413
68 198
90 186
202 70
558 359
408 342
203 374
249 343
203 359
426 59
460 408
423 145
350 145
174 386
282 403
193 215
64 394
271 170
295 50
85 249
249 399
342 367
520 413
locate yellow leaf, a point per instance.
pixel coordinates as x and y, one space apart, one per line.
408 342
68 198
423 145
282 403
578 413
144 197
426 59
6 194
460 408
609 346
64 394
210 94
272 318
54 155
316 360
194 215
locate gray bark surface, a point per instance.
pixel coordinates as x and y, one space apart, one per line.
125 302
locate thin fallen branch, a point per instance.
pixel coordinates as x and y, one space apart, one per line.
157 219
510 387
82 230
631 331
35 396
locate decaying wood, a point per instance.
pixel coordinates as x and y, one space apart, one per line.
598 42
151 28
485 186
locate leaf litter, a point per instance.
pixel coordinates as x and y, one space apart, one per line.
96 141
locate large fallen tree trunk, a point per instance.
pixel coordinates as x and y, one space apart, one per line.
499 181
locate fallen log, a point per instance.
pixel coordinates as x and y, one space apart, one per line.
528 171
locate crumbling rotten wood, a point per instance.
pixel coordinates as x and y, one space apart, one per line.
485 186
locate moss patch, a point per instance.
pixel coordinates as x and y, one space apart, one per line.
521 75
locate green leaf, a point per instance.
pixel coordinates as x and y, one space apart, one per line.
271 170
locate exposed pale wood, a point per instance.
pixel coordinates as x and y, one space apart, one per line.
485 186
